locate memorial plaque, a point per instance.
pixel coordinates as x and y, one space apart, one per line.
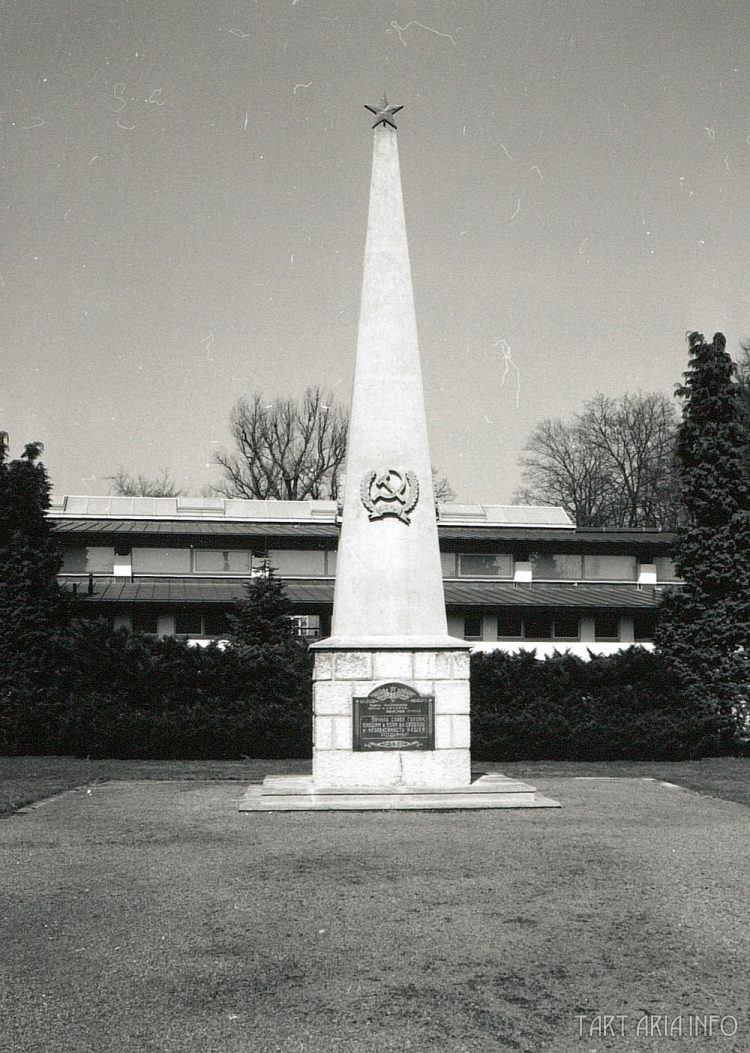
394 717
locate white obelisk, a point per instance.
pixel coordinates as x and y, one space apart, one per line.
391 689
389 624
389 586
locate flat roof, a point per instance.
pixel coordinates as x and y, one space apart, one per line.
161 518
235 509
192 508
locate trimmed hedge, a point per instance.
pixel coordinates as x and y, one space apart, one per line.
116 694
625 706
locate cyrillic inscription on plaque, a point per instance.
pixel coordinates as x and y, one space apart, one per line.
394 717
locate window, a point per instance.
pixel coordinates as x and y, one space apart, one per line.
145 621
188 623
565 627
537 626
644 623
472 627
448 563
298 563
485 565
509 625
665 569
161 561
556 566
610 568
222 561
306 625
95 559
607 626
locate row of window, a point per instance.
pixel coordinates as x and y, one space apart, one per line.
552 566
213 562
212 623
514 625
100 559
511 625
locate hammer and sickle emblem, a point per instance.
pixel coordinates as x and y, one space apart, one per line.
390 486
390 492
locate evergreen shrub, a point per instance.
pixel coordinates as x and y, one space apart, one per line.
703 630
33 607
626 706
99 692
117 694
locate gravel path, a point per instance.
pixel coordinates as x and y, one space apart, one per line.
152 916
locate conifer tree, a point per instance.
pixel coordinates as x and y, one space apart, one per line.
263 636
743 381
262 618
32 604
704 627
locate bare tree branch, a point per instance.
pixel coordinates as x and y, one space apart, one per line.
743 393
636 436
125 484
611 465
285 450
444 492
290 450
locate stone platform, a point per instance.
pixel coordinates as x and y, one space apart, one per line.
297 793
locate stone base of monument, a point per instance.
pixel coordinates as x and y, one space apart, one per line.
391 717
300 794
391 731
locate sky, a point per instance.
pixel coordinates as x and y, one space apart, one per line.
183 209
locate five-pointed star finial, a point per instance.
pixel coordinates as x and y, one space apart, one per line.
384 113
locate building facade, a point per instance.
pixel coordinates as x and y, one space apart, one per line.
515 577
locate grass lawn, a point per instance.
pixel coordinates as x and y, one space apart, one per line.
24 780
151 916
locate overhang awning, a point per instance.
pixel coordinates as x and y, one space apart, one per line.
561 539
581 595
319 592
139 528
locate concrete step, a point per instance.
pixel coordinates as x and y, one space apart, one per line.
279 785
298 794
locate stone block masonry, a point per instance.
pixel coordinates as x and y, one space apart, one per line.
341 676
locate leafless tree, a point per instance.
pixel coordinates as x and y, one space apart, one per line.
561 469
635 436
124 484
611 465
291 451
444 492
285 449
743 369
